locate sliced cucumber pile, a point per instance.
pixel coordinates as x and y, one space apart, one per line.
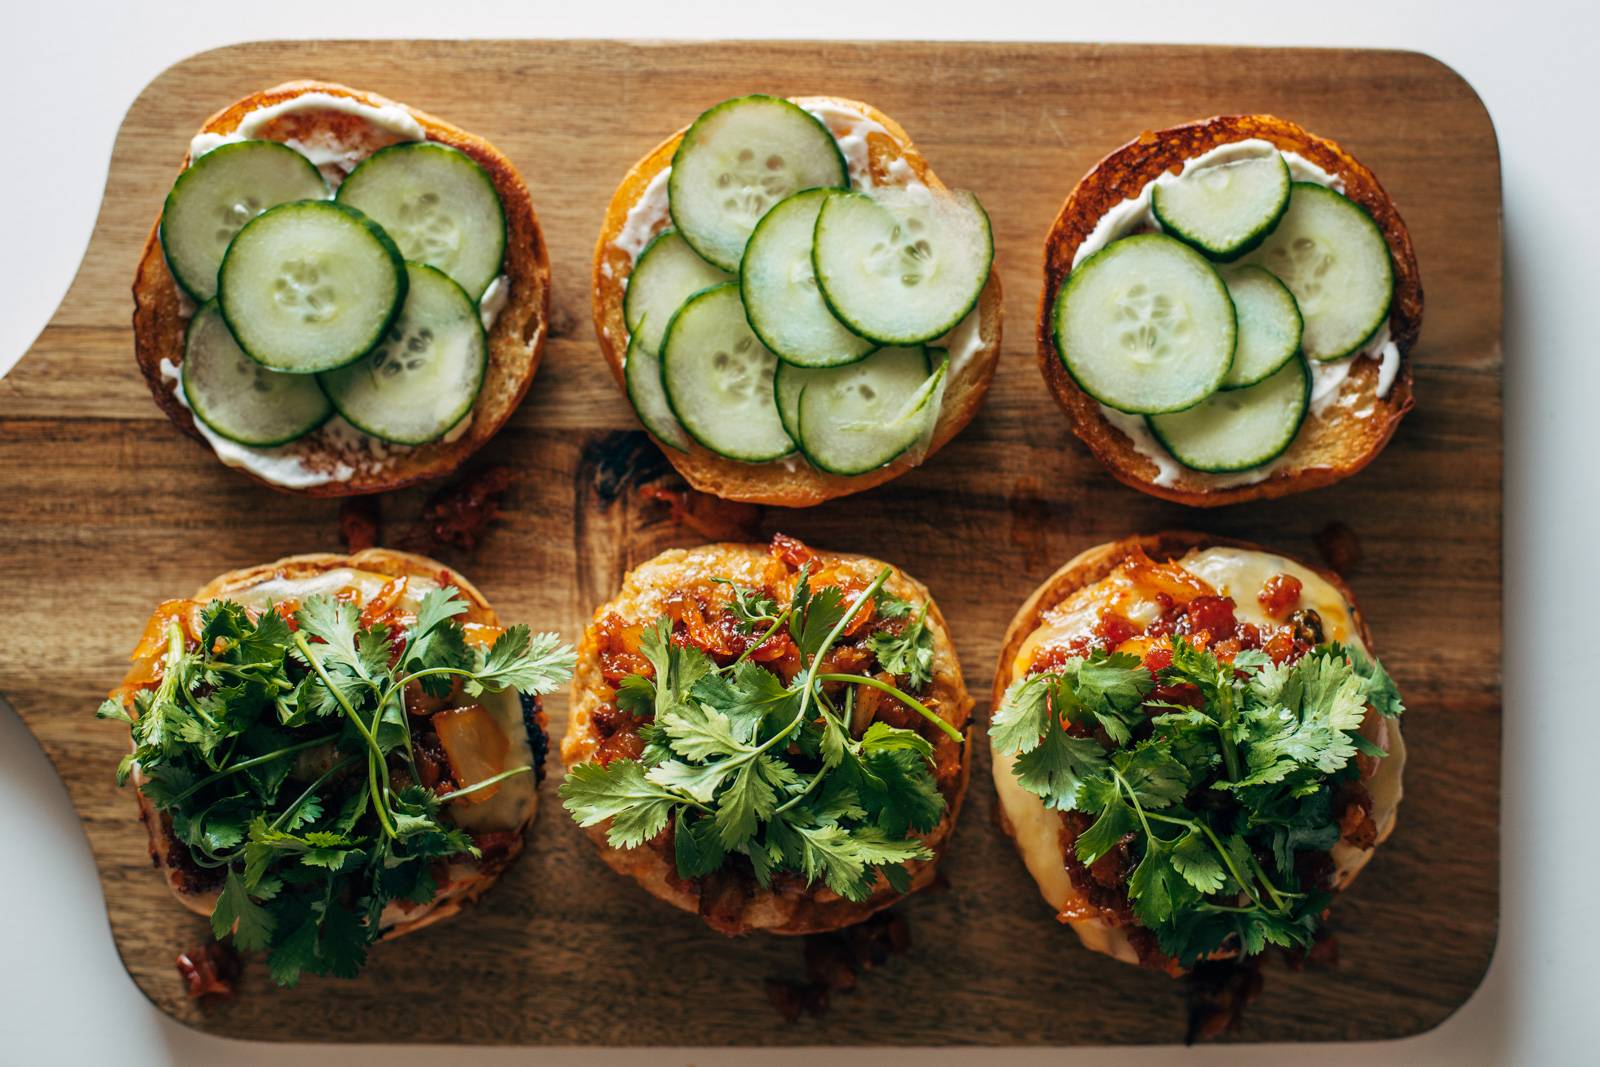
310 286
239 398
718 378
1145 325
1241 428
1215 358
438 204
224 189
782 360
1333 258
362 301
1269 325
423 377
779 287
1227 209
736 161
902 267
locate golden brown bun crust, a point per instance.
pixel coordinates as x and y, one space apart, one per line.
1330 447
462 891
814 910
770 483
515 343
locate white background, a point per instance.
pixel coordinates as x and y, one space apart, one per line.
69 70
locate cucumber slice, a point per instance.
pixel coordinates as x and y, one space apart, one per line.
310 286
1333 258
718 378
1239 429
218 194
902 266
736 161
238 397
438 204
791 380
667 273
641 371
424 377
858 418
1269 325
1145 325
780 292
1224 210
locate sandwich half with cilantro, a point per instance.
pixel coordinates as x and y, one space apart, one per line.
772 737
333 750
1194 748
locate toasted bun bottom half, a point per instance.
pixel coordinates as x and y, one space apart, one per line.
161 311
1036 831
1330 446
779 911
466 880
790 483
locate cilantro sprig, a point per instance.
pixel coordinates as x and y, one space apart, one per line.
284 759
741 764
1200 794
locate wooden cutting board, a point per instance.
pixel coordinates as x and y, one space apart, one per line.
106 509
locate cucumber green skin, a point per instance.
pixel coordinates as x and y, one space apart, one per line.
435 146
197 410
667 234
1383 316
908 342
661 359
1305 411
1244 247
795 433
187 286
655 431
689 138
1061 303
373 228
1299 330
483 372
791 419
755 325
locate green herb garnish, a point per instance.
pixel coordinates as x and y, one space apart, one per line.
742 764
1206 791
276 754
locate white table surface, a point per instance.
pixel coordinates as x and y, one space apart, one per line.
69 70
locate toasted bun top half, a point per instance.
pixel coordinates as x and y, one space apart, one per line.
161 311
790 482
1330 446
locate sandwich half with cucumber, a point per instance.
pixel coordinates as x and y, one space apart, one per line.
342 294
796 307
1229 310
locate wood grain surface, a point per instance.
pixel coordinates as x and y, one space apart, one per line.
105 509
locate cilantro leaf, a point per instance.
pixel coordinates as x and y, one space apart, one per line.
907 654
520 660
249 923
639 809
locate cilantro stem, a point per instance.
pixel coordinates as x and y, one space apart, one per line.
777 622
254 761
905 698
493 779
301 799
377 770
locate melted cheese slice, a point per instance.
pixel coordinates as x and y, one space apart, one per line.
1232 572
